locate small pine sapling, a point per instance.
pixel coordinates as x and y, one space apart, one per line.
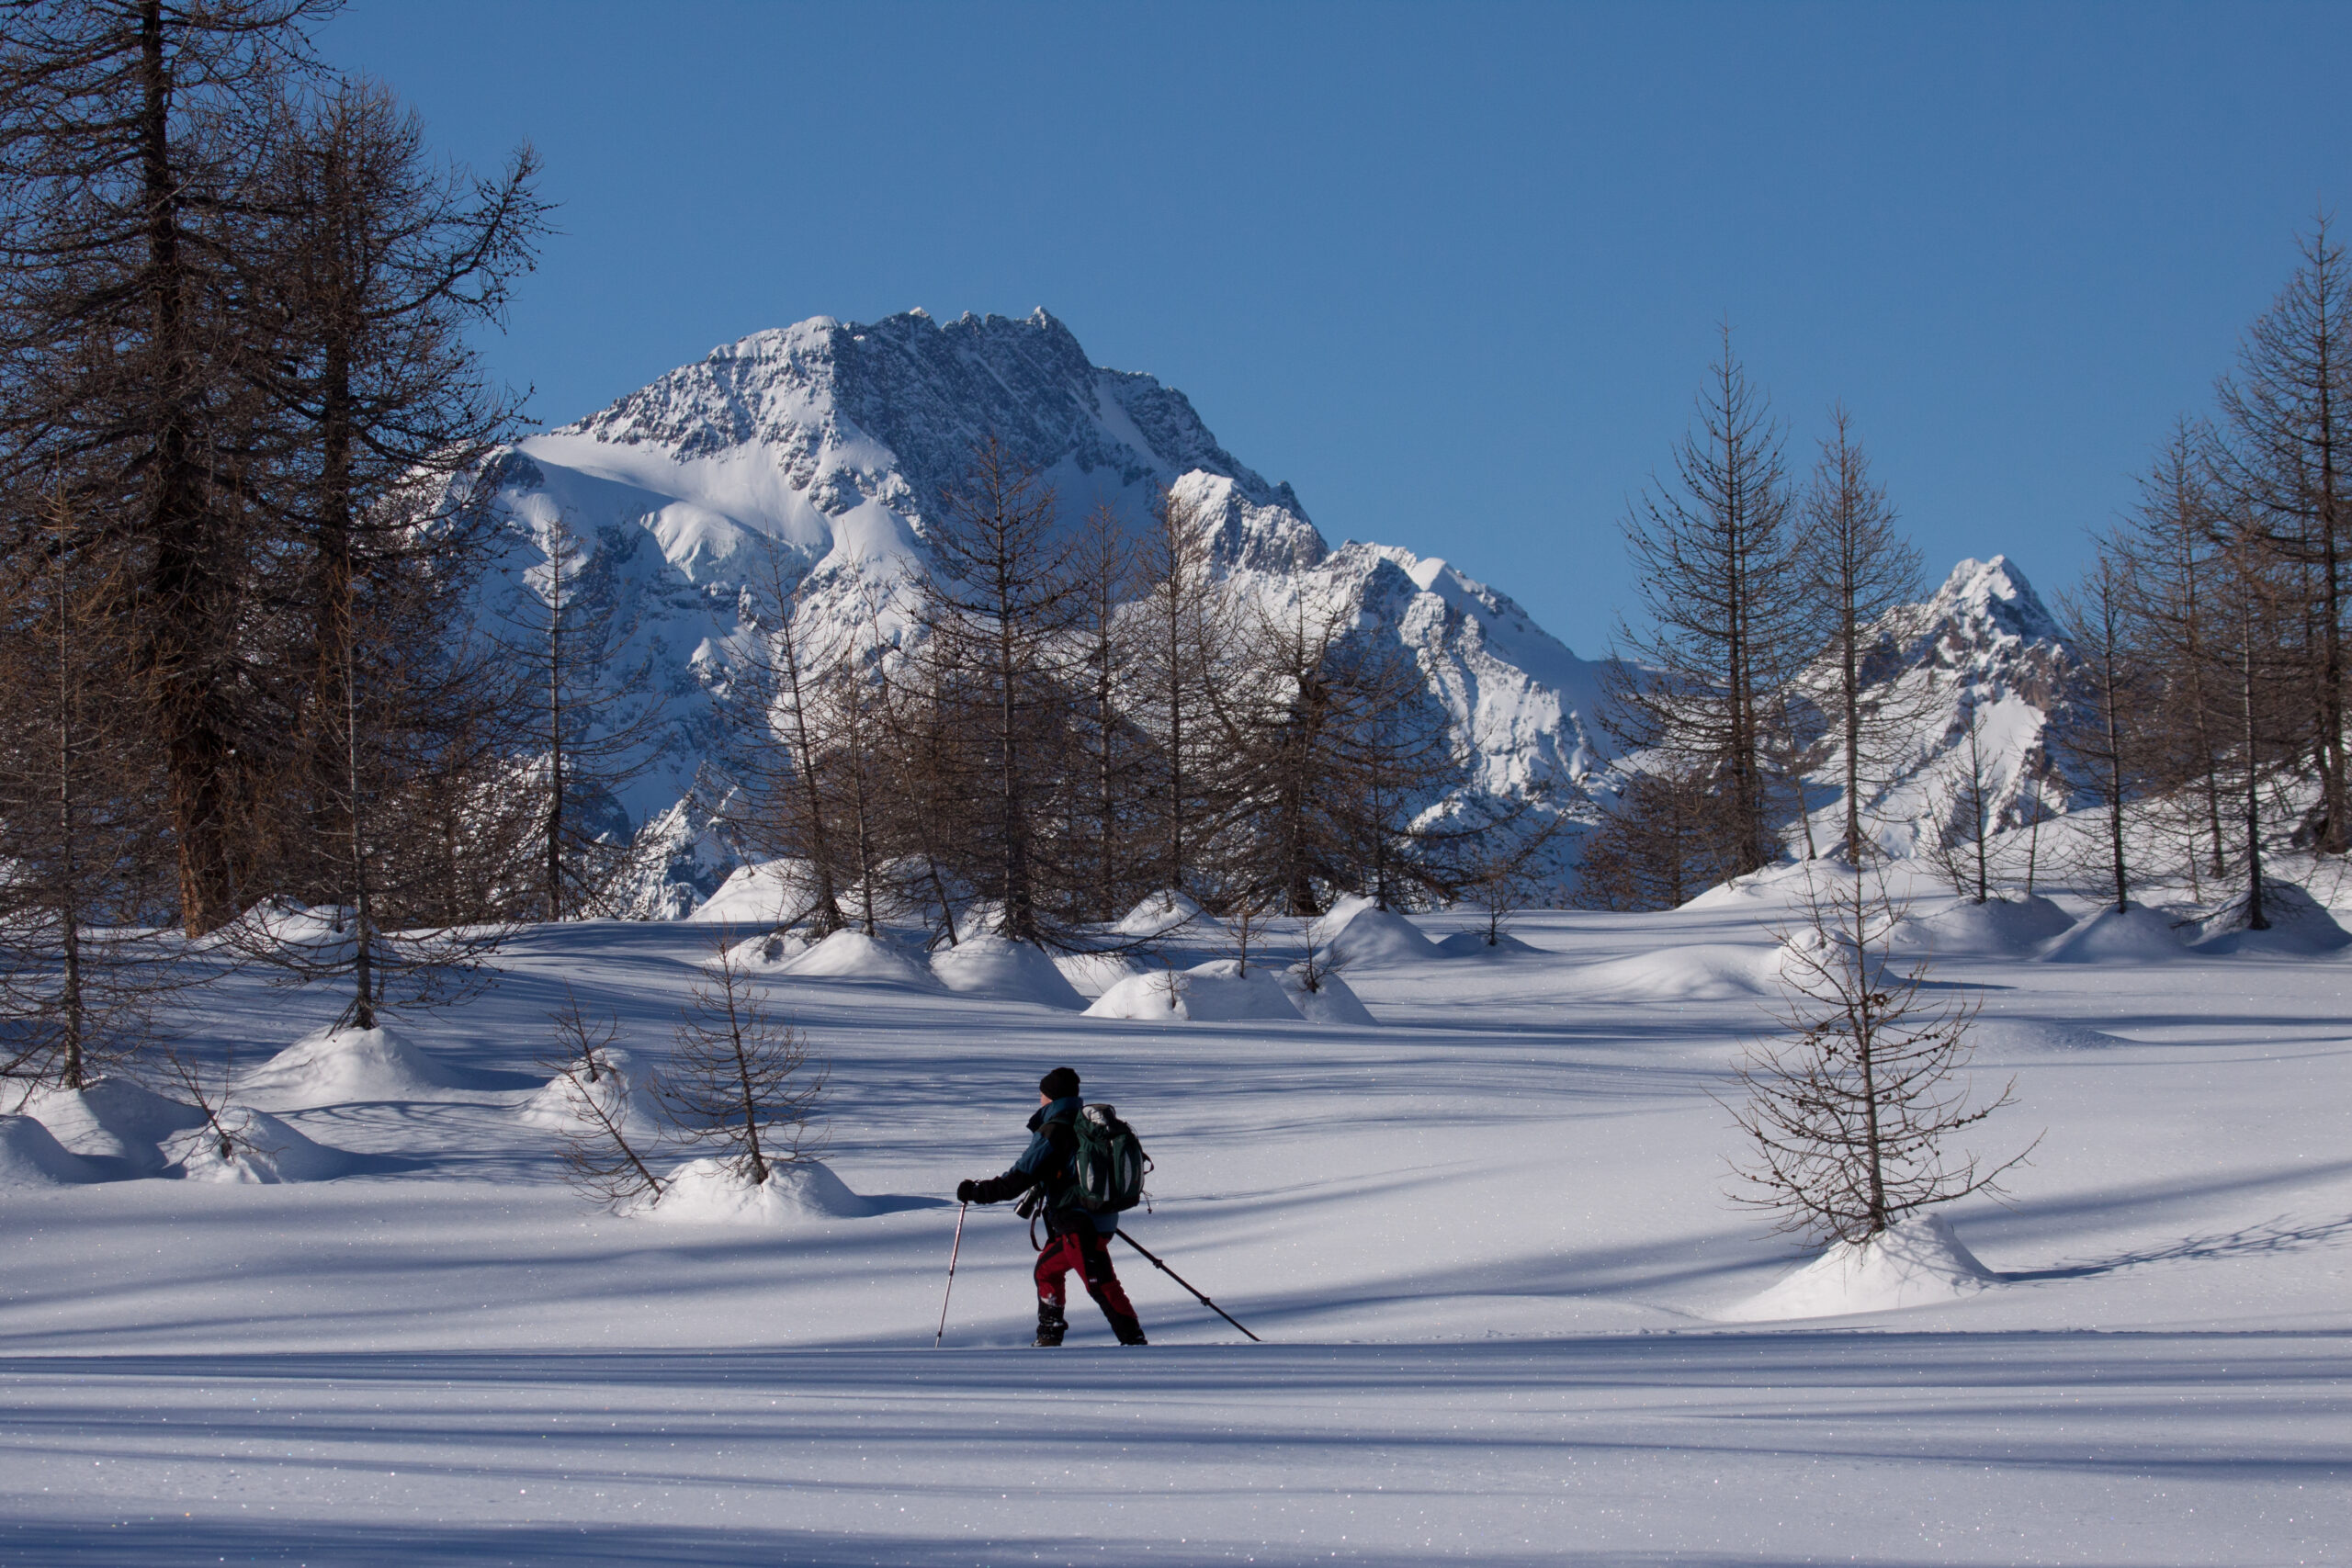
599 1158
740 1078
1851 1110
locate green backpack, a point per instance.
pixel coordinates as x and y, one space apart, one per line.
1109 1164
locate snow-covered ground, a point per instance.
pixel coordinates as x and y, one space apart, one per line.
1508 1311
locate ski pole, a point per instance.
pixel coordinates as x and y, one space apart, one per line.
1187 1284
952 1251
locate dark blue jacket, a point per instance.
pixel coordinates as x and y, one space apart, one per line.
1048 1163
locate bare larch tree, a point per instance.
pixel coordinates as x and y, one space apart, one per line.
1851 1113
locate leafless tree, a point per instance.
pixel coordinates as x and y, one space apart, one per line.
232 1131
1502 859
79 871
1961 846
1111 754
1000 606
1245 918
128 132
2284 462
776 740
600 1156
1722 627
1659 846
1187 632
1337 750
1316 964
1856 567
589 721
2100 731
740 1079
1850 1112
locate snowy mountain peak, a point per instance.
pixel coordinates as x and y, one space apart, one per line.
1985 618
843 410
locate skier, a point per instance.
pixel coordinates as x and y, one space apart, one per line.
1076 1239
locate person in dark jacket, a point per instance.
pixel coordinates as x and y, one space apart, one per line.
1043 1178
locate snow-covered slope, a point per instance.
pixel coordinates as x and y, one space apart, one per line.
820 453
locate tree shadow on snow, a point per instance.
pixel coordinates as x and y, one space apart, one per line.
2270 1238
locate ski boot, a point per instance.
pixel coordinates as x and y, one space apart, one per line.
1051 1325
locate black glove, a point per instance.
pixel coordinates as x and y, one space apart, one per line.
964 1190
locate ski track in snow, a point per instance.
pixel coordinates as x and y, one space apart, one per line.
1486 1240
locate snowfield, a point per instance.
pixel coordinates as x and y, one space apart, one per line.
1509 1315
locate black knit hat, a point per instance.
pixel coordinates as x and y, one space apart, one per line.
1059 1084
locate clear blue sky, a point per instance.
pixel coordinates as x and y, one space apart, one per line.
1454 271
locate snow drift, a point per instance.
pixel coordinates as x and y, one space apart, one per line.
1919 1261
2300 926
113 1119
709 1192
341 1067
1361 934
29 1156
267 1151
773 951
1704 971
1159 914
559 1105
1091 973
853 955
2136 935
991 965
1998 926
766 893
1206 993
1330 1002
1473 945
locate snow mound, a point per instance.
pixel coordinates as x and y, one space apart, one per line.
773 951
1160 913
558 1105
1775 887
1330 1002
2137 935
2300 926
1917 1262
1206 993
2038 1034
30 1156
1011 971
268 1152
1473 945
1699 972
112 1118
1146 999
1996 926
1091 973
1364 934
282 922
764 894
340 1066
709 1192
853 955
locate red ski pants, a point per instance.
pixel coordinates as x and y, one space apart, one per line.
1088 1252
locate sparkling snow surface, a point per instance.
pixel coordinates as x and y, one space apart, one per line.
1485 1241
